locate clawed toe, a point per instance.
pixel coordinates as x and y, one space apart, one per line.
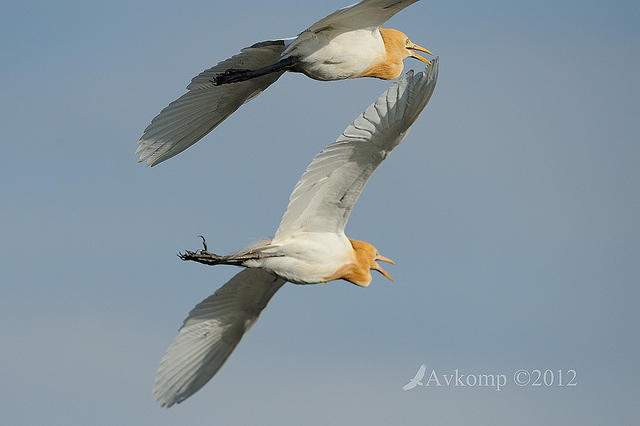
188 255
204 242
200 254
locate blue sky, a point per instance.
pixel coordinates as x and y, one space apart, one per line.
511 210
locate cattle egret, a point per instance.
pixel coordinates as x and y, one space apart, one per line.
309 246
349 43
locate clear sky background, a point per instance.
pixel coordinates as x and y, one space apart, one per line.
511 209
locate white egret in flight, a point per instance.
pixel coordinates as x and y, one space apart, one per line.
349 43
310 245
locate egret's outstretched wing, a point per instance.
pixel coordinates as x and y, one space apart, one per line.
190 117
211 332
323 198
366 14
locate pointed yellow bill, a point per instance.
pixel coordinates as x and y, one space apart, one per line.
383 272
379 268
384 259
414 46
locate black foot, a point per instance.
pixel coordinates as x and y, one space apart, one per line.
231 75
203 255
206 257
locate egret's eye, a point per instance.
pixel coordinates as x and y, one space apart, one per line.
406 42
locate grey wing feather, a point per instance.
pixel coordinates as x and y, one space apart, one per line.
325 195
211 332
367 13
190 117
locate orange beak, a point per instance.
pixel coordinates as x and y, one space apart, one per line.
414 46
380 269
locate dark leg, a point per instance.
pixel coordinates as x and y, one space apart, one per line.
207 258
236 75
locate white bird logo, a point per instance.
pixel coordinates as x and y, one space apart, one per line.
417 379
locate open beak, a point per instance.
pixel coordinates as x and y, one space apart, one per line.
380 269
384 259
414 46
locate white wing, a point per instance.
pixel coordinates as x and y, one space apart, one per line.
366 14
323 198
211 332
190 117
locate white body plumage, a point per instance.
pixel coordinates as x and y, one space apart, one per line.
306 257
336 55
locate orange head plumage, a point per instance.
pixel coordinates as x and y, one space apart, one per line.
366 256
398 47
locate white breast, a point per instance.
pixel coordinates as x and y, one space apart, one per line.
329 56
308 257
